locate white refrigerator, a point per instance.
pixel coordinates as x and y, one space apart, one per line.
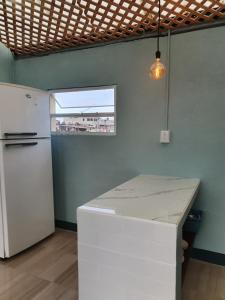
26 188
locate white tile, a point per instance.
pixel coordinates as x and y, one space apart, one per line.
114 284
100 290
96 257
92 225
88 270
131 237
134 295
161 233
164 234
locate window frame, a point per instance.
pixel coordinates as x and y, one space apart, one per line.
91 115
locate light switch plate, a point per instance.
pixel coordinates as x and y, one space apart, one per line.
164 136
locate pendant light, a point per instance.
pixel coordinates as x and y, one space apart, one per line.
158 70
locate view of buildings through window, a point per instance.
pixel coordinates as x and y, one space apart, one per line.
90 110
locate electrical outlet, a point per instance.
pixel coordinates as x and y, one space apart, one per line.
164 136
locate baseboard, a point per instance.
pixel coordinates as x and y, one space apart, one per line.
208 256
66 225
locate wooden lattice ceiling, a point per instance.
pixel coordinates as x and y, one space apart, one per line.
30 27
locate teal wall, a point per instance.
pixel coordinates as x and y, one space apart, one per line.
6 65
86 166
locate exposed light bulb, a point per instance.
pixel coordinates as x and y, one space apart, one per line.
157 70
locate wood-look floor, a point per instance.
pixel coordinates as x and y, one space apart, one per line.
48 271
204 281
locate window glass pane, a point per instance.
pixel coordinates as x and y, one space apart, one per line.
83 101
83 124
83 111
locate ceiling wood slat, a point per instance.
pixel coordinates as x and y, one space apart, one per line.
32 27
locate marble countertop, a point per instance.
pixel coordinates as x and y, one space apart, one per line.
149 197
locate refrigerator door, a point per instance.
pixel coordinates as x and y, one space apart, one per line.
2 244
26 190
24 112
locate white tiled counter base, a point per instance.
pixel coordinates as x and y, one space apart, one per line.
125 250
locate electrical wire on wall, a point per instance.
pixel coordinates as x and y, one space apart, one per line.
167 107
165 135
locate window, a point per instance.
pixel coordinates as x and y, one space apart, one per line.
84 111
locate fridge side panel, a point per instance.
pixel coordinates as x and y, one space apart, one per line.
3 216
28 193
24 111
2 244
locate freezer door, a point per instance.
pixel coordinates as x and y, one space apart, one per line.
27 193
23 112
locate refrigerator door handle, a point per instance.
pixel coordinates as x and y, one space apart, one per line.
21 144
8 134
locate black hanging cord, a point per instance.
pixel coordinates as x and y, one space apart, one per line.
158 54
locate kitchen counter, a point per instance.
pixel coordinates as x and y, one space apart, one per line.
129 239
149 197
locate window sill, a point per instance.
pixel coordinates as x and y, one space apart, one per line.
83 134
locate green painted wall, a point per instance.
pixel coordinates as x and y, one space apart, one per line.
86 166
6 65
